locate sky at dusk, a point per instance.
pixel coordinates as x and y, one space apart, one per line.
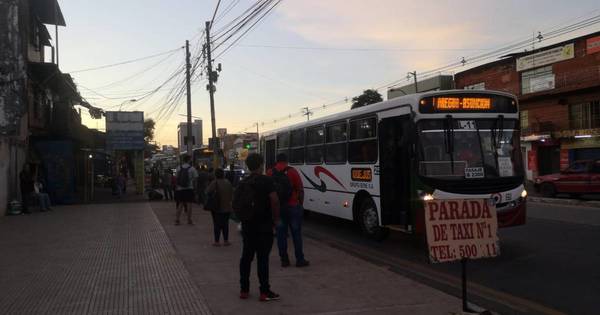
304 54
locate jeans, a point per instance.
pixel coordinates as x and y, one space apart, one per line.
291 218
220 224
168 192
259 243
44 201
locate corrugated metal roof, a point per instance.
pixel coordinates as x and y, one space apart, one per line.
48 11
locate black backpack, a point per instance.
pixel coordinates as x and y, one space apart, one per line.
183 177
282 184
244 203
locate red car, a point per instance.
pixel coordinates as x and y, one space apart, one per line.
582 177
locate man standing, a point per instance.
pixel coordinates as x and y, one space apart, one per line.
186 177
291 196
256 204
167 183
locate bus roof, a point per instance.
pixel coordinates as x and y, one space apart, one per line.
410 99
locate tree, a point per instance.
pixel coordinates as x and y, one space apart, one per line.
149 126
368 97
149 148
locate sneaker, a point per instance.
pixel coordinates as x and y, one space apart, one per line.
269 296
285 263
177 222
190 222
244 295
303 263
216 244
226 243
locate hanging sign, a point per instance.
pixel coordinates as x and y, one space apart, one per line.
461 229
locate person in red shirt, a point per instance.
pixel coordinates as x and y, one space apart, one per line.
292 212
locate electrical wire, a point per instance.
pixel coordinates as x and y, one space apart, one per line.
125 62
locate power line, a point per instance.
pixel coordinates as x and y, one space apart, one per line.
125 62
512 46
359 49
247 30
215 13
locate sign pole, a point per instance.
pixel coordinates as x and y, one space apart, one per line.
465 303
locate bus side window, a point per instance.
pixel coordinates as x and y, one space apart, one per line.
362 147
283 143
315 137
335 149
297 147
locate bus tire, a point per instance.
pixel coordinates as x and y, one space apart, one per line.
548 190
368 220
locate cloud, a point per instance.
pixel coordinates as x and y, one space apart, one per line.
382 23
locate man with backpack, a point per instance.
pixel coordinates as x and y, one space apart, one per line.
291 197
184 191
256 204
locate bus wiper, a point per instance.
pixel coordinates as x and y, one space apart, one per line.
496 132
449 139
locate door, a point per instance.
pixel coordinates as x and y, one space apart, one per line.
548 160
394 171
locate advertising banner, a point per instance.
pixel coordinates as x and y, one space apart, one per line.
125 130
593 45
461 229
546 57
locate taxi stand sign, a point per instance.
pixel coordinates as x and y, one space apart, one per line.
461 229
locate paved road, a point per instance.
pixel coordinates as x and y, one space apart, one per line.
549 266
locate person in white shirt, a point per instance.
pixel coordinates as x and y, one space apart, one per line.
184 191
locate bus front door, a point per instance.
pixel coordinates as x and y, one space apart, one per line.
394 172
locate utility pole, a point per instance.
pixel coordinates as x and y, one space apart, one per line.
257 139
414 75
306 112
211 91
189 99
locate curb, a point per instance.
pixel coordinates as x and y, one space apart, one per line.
569 202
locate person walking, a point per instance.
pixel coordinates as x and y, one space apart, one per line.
167 183
186 177
224 193
26 185
291 197
256 204
202 182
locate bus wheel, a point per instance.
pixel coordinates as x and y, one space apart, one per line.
548 190
369 220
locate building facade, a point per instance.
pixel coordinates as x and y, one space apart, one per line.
196 135
39 125
558 87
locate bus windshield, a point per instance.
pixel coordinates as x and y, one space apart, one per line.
455 148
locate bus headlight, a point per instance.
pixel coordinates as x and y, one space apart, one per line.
427 197
524 193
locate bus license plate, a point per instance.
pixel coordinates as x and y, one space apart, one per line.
474 172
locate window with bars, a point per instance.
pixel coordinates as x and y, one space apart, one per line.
584 115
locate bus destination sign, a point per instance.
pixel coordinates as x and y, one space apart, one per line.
461 229
458 103
468 103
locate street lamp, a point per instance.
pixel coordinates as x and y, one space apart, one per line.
127 101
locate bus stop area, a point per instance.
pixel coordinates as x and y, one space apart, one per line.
130 258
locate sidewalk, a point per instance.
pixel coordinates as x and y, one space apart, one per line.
119 259
335 283
93 259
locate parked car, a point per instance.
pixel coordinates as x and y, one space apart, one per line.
581 177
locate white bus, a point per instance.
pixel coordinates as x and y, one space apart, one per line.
376 164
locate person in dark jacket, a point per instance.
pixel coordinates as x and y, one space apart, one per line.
220 216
